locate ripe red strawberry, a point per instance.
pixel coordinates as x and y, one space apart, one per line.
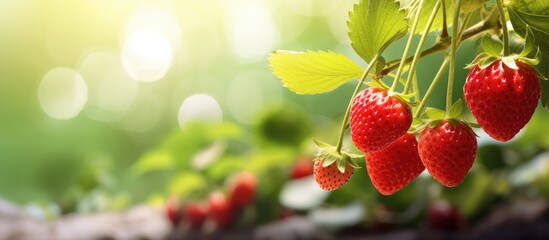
395 166
448 151
329 177
220 209
173 211
378 119
195 214
242 191
502 99
302 168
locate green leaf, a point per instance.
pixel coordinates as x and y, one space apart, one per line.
187 183
313 72
533 16
153 161
435 114
426 10
373 25
491 45
456 109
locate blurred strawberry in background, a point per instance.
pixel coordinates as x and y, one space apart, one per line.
302 168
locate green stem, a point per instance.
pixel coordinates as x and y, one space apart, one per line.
418 49
440 46
463 25
357 89
416 89
432 87
453 48
407 48
506 51
444 32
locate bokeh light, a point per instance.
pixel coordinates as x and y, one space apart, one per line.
252 31
111 90
62 93
147 55
199 107
260 87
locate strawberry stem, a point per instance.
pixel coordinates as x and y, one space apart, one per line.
417 54
407 48
444 32
431 87
506 51
453 48
348 111
442 44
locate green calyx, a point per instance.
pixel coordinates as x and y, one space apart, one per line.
330 155
407 98
492 51
432 117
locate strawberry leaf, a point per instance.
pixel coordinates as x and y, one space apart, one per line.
456 109
491 45
373 25
435 114
531 17
428 5
313 72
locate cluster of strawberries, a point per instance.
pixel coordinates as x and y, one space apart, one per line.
502 98
220 208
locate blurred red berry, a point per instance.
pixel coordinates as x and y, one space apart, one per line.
442 215
195 214
220 210
302 168
173 211
242 190
284 213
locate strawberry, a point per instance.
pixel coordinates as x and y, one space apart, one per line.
442 215
395 166
220 209
329 177
378 118
302 168
195 214
173 210
242 191
448 151
502 99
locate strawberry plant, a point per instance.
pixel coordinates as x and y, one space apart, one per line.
501 91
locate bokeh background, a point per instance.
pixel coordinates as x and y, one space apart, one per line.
108 104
